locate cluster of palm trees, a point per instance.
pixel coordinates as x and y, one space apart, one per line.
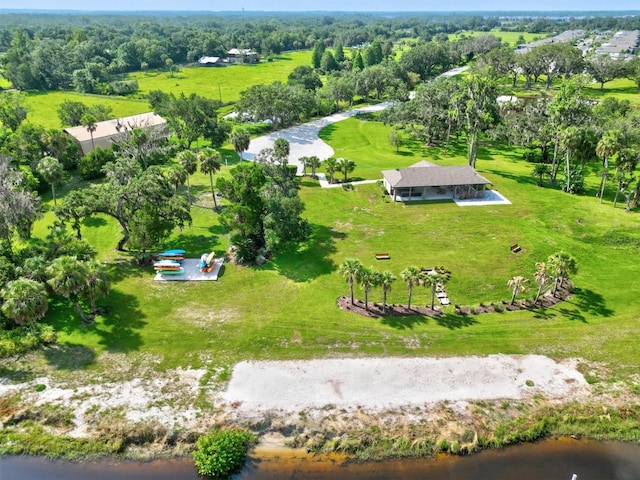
25 300
554 272
210 163
342 165
354 272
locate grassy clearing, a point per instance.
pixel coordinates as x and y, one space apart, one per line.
226 82
221 83
509 37
286 309
43 106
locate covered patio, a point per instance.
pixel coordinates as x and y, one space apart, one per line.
426 181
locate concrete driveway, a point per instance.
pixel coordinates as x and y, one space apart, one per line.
303 139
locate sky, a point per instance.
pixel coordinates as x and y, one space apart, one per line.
323 5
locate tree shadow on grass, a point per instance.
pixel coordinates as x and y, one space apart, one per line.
408 322
453 321
94 222
70 356
592 302
542 313
522 179
119 329
16 374
573 314
327 132
311 260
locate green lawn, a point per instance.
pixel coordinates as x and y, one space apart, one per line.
43 106
286 309
226 82
508 37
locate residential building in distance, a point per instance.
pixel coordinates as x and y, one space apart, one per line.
106 132
569 36
622 45
242 55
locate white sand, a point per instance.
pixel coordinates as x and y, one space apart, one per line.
382 383
289 387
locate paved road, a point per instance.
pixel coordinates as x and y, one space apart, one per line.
303 139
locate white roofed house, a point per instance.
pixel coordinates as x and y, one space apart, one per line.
210 61
426 181
242 55
108 131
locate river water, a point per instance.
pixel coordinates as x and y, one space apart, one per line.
547 460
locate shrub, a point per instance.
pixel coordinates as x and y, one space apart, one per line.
123 87
90 166
222 453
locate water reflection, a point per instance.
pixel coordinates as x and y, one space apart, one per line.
548 460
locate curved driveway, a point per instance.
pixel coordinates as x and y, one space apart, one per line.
303 139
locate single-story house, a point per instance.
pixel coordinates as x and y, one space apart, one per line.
426 181
106 132
210 61
242 55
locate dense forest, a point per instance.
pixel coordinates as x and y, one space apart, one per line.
61 51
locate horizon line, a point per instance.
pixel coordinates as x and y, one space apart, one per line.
53 10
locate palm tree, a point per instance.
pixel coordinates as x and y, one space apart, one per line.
89 122
176 175
67 277
314 162
410 276
570 139
281 149
210 164
52 171
560 266
349 270
305 163
432 280
97 281
518 284
386 279
540 170
607 147
331 165
240 139
24 301
189 161
346 167
367 278
541 278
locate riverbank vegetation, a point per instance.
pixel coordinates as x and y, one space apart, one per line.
564 184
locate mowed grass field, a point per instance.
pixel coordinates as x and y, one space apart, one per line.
287 308
222 83
508 37
218 82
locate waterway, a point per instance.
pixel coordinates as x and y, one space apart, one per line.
548 460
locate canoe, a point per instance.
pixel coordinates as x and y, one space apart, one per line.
168 253
167 262
172 272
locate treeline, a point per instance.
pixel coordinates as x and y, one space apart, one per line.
91 53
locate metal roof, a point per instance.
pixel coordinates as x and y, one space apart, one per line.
433 176
110 128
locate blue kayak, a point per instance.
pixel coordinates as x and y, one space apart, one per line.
170 253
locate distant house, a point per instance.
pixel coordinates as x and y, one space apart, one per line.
210 61
242 55
426 181
109 130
